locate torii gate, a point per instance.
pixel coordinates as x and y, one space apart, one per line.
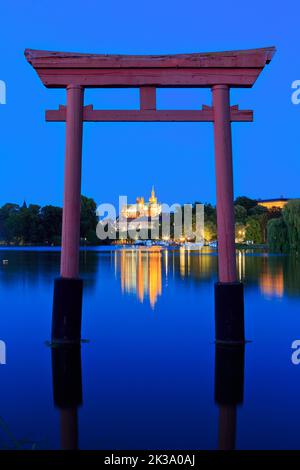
218 70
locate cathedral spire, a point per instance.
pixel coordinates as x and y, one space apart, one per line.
153 199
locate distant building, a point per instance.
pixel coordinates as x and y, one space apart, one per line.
273 203
142 208
141 215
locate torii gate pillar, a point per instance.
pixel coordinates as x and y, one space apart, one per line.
67 304
229 296
72 184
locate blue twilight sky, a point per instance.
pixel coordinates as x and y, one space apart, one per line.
124 158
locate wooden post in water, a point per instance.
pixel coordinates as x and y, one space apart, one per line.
72 184
66 320
224 183
229 296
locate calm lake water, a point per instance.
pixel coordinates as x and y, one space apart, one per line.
148 369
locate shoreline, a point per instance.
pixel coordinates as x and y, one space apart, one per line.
206 249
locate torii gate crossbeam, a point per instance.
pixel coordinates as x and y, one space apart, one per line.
219 71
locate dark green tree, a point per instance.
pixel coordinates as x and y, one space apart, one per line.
258 210
246 202
291 217
253 230
277 235
210 213
88 219
30 226
240 214
51 219
7 231
13 228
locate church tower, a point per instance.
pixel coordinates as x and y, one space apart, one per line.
153 199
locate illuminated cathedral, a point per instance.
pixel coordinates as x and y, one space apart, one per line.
141 208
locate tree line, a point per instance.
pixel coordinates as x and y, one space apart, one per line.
251 221
34 225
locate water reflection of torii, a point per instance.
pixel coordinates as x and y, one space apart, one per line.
229 390
67 391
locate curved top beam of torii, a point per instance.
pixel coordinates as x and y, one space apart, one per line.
232 68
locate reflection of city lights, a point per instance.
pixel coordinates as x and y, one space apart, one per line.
182 261
154 275
241 265
189 262
166 254
141 270
272 284
141 273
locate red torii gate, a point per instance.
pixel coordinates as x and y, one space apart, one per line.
218 70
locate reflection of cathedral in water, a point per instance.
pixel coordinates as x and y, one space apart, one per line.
141 273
